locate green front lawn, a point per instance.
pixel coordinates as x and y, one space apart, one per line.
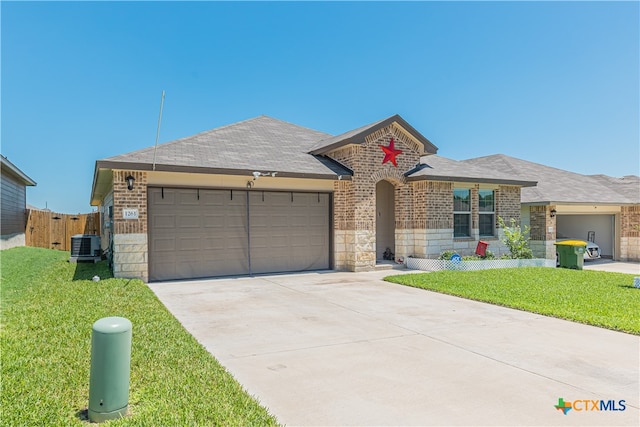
48 309
596 298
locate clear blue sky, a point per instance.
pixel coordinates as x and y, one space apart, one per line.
553 83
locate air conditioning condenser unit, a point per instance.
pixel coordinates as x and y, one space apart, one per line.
85 247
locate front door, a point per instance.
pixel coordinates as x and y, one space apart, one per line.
385 219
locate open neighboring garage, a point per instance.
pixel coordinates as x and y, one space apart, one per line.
602 227
221 232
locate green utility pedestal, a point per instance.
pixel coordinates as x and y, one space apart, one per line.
110 367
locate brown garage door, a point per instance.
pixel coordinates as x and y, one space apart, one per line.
288 231
205 233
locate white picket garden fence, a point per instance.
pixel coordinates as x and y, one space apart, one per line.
439 264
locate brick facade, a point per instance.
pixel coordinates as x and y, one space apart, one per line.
543 231
508 203
132 199
423 209
130 250
439 206
355 202
630 233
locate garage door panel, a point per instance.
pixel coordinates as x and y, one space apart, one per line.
278 199
186 244
280 228
208 236
300 242
213 244
163 221
188 269
214 197
196 237
258 219
163 244
300 221
279 242
188 221
222 267
215 220
165 269
160 198
316 221
239 222
279 220
188 198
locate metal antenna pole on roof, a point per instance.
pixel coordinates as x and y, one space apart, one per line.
158 131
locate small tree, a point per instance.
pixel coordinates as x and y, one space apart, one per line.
516 239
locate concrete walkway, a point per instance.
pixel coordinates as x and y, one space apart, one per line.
337 349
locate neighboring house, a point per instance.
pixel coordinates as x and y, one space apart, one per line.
13 205
567 204
264 196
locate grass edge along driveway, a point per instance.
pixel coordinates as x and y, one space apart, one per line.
596 298
48 309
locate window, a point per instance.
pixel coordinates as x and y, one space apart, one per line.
487 220
461 213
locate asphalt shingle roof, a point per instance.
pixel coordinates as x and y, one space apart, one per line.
262 143
628 186
332 140
558 185
442 169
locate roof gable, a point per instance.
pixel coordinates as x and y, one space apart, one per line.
357 136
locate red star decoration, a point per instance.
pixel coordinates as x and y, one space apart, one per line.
390 153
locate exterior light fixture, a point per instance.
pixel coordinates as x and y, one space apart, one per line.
130 179
553 213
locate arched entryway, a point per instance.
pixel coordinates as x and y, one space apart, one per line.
385 218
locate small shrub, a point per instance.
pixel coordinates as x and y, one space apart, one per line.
488 255
446 255
516 239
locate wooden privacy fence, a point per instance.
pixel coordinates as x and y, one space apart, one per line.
53 230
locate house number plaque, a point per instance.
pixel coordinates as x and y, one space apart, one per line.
130 213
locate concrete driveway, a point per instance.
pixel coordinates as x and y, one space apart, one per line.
338 349
613 266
